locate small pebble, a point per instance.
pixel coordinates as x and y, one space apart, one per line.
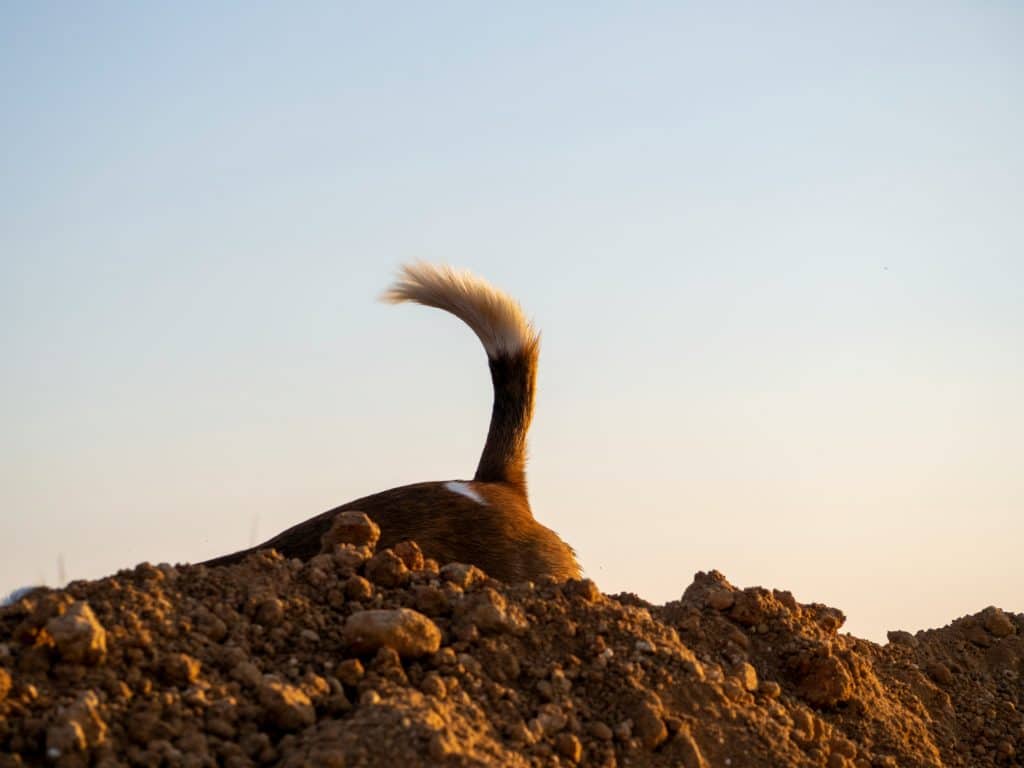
287 706
78 635
387 569
462 574
997 622
350 527
569 746
350 672
409 632
720 599
747 676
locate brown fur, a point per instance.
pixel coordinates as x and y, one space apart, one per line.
500 535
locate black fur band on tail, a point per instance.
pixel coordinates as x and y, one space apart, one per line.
504 456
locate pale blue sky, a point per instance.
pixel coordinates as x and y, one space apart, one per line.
776 252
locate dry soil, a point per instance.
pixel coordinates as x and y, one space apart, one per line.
357 658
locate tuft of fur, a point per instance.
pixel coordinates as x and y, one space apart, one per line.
495 317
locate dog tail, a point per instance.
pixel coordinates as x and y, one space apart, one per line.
512 346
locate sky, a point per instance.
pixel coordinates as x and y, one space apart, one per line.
776 253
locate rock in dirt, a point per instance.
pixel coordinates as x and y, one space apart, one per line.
387 569
180 668
721 599
287 706
408 632
79 637
747 675
570 747
76 728
350 527
997 622
411 555
462 574
649 727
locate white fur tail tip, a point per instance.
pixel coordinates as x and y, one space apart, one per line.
496 318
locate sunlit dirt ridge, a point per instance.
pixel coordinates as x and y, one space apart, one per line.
364 658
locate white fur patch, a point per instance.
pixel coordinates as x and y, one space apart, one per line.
465 489
495 317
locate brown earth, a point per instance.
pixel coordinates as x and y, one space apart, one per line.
350 661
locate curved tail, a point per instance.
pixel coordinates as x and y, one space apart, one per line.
512 346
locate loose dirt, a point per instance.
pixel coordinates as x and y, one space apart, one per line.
362 659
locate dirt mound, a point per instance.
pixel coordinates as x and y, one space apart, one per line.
355 659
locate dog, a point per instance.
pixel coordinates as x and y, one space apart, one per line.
486 521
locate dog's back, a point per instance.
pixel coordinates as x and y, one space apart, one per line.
486 521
